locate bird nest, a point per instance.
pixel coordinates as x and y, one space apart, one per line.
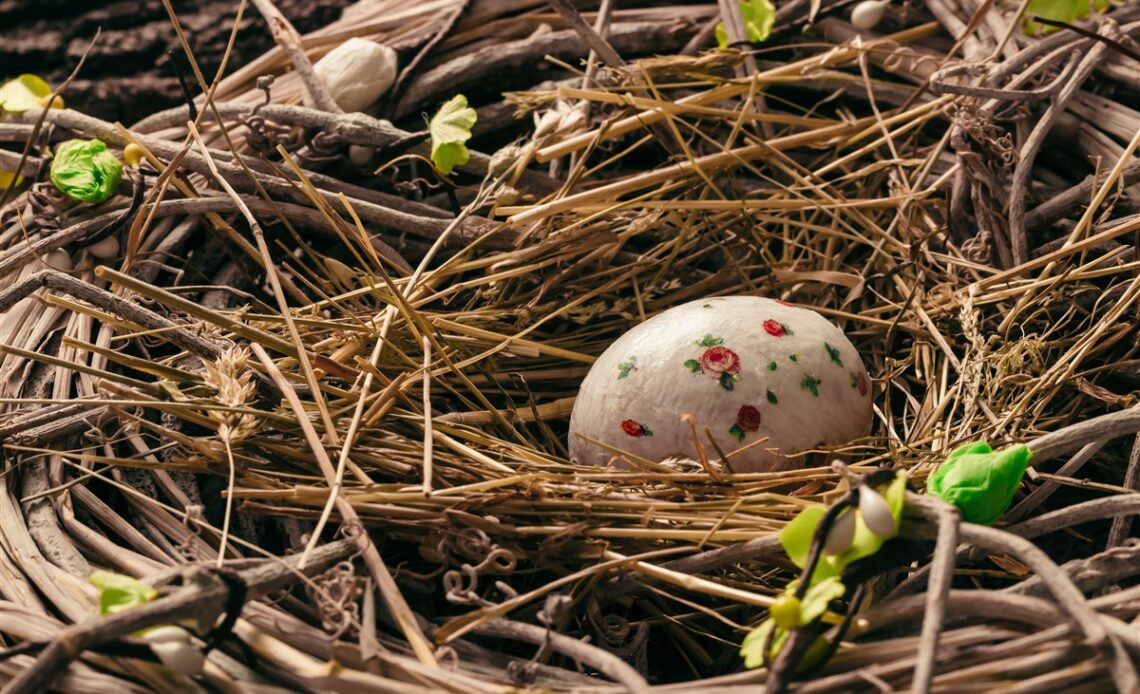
316 391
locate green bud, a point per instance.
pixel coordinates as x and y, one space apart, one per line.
785 612
981 482
85 170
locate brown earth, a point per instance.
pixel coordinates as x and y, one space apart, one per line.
129 73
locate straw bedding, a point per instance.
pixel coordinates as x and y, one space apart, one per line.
374 429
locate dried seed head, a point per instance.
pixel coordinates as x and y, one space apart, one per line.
235 388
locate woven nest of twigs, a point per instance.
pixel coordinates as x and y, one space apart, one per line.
319 392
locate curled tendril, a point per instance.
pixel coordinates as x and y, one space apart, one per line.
326 145
498 561
447 658
618 636
45 203
337 600
469 543
523 673
460 587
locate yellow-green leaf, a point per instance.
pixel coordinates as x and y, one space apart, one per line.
818 597
759 16
118 592
9 179
24 93
1067 11
450 129
797 535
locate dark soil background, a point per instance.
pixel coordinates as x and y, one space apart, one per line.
129 73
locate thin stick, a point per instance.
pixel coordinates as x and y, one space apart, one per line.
232 473
397 605
592 38
1076 436
1122 524
290 41
941 578
427 416
606 663
193 599
1019 184
1039 495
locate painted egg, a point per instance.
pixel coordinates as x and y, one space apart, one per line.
768 379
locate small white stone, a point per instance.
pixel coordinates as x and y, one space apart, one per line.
167 634
59 260
105 249
174 648
768 380
867 14
876 512
360 155
357 73
183 658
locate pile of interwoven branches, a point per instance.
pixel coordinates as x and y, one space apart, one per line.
317 392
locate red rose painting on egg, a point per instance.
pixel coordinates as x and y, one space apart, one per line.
717 361
635 429
747 419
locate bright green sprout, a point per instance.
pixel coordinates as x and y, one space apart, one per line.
118 592
85 170
759 16
450 129
790 612
797 535
981 482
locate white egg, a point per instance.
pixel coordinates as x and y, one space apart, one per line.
767 378
357 73
105 249
867 14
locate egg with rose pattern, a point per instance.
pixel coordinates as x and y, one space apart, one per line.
767 378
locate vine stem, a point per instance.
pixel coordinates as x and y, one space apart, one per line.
948 519
290 41
196 597
1068 597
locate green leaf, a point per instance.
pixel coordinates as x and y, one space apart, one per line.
817 598
24 93
759 16
866 542
1067 11
797 535
85 170
118 592
981 482
450 129
752 649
